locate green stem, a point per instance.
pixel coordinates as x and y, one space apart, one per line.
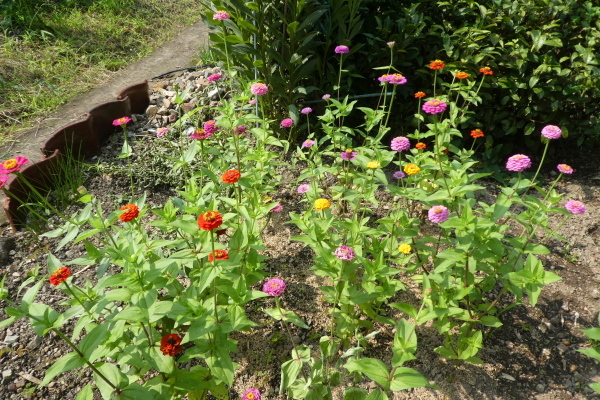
79 301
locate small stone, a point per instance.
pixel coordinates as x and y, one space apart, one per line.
20 383
11 339
562 348
540 387
35 343
173 116
573 368
151 110
167 103
214 94
296 339
507 377
7 374
163 111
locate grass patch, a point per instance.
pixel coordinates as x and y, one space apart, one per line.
78 48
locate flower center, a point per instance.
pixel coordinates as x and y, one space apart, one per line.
348 151
250 396
438 210
211 216
10 164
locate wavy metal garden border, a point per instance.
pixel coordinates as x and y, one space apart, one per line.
83 139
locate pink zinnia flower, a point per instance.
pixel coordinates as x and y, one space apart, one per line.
326 97
518 163
308 143
391 44
434 106
160 132
286 123
259 89
214 77
575 207
251 394
239 130
384 78
303 188
551 132
221 15
253 102
306 110
399 174
400 143
200 134
209 127
3 180
349 154
565 169
121 121
12 165
438 214
341 49
397 79
344 253
277 208
274 287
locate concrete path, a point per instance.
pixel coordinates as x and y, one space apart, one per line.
174 54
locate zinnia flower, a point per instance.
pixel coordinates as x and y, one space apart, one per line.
239 130
3 180
326 97
274 287
218 255
551 132
384 78
341 49
461 75
486 71
349 154
286 123
308 143
344 253
209 127
404 248
438 214
170 344
575 207
303 188
565 169
214 77
231 176
411 169
278 208
434 106
437 64
200 134
259 89
373 164
60 275
121 121
131 212
221 15
477 133
420 95
391 44
420 146
12 165
306 110
400 143
518 163
399 174
253 101
160 132
322 204
251 394
397 79
210 220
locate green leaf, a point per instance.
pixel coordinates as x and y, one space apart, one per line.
135 391
592 333
407 378
355 393
284 315
593 352
373 368
93 339
377 394
289 372
86 393
126 151
490 320
133 314
66 363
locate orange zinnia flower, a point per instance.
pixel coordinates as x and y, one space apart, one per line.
170 344
486 71
437 64
419 95
461 75
421 146
231 176
476 133
210 220
60 275
131 212
218 255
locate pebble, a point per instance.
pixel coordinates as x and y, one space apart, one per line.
540 387
11 339
37 340
6 374
507 377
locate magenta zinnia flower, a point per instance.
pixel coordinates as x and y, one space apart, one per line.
551 132
277 208
121 121
349 154
518 163
253 102
214 77
400 143
274 287
259 89
434 106
306 110
221 15
286 123
341 49
239 130
200 134
399 174
384 78
3 180
251 394
575 207
397 79
303 188
12 165
438 214
160 132
209 127
326 97
344 253
565 169
308 143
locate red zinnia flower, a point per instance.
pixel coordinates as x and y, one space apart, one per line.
131 212
60 275
210 220
231 176
170 344
461 75
475 133
437 64
486 71
421 146
218 255
420 95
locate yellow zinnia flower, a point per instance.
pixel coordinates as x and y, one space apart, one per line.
404 248
411 169
373 164
322 204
